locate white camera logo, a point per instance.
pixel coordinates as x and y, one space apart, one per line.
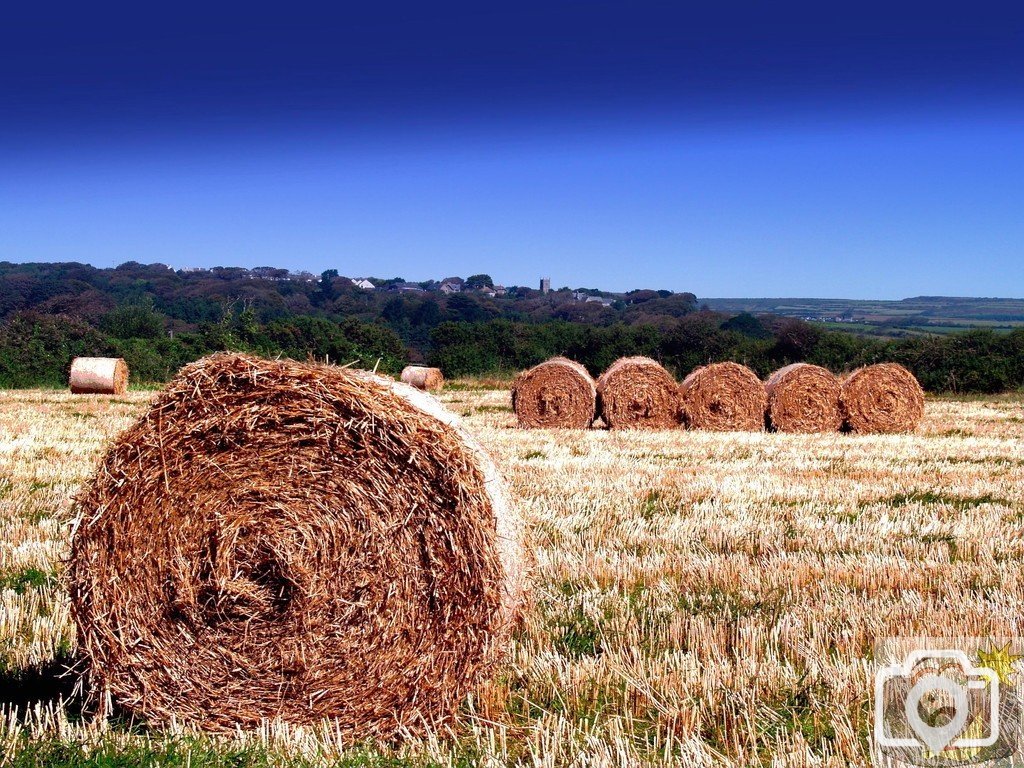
938 737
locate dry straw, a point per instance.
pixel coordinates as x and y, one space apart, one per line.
98 376
288 540
558 393
803 398
882 398
421 377
637 393
723 397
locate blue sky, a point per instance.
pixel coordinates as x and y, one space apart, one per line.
743 150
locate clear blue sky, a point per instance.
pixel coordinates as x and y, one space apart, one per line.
743 150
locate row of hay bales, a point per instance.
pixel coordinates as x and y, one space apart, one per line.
638 393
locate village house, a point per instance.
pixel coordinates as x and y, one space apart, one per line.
366 285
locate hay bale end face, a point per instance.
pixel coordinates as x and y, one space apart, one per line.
638 393
421 377
883 398
98 376
288 540
723 397
803 398
558 393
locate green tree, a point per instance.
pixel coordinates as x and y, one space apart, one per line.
134 321
327 288
479 281
36 349
748 325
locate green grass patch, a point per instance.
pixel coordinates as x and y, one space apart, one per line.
29 578
960 503
184 753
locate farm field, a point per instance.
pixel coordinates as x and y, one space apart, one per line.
698 599
922 315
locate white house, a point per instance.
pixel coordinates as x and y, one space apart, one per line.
366 285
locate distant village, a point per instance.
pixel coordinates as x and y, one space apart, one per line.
478 284
482 285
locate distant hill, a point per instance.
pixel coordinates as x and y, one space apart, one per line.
907 317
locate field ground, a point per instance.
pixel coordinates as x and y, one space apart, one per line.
699 599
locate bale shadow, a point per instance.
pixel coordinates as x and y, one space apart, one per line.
59 680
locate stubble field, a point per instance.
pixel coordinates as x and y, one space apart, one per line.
698 599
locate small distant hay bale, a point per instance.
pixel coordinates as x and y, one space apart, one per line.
295 541
98 376
558 393
638 393
421 377
884 398
723 397
804 398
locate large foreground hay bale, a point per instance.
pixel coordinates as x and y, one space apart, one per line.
637 393
98 376
288 540
803 398
421 377
882 398
723 397
558 393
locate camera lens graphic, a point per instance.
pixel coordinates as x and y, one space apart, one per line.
945 704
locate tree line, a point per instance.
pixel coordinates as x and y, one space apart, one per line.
36 348
159 320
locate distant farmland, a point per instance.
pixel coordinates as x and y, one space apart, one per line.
907 317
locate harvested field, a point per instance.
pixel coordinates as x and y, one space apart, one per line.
699 598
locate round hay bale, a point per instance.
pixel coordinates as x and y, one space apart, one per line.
803 398
288 540
98 376
421 377
882 398
723 397
637 393
558 393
